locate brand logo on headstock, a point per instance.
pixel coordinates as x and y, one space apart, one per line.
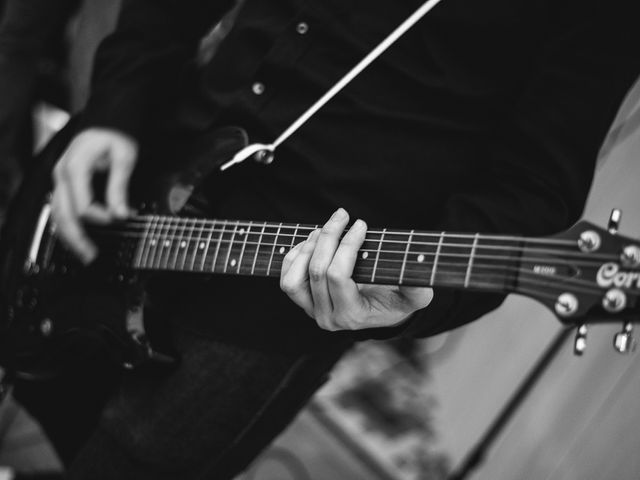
610 275
544 269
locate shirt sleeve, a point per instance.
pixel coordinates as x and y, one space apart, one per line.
139 67
543 153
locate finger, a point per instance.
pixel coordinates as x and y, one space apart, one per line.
416 298
118 184
295 283
327 243
97 213
342 288
68 227
288 259
74 174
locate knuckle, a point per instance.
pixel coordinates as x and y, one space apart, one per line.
328 229
326 324
334 274
290 255
317 272
288 285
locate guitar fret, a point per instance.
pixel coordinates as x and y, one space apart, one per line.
255 257
404 260
244 245
166 242
175 247
293 237
375 264
390 257
233 236
147 240
140 247
158 243
273 249
196 245
435 260
218 244
185 244
212 227
470 266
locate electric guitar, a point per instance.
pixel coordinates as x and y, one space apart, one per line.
586 274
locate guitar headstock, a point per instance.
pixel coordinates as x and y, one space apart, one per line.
585 275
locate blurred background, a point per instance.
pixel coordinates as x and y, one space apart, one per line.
415 409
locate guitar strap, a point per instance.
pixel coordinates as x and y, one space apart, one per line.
264 153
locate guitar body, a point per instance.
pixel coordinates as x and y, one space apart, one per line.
46 314
53 310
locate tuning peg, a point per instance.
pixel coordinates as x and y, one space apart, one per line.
623 341
614 221
580 342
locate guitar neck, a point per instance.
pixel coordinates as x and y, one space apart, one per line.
391 257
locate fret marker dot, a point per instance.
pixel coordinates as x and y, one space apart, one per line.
167 243
282 250
241 232
201 245
183 244
365 255
153 242
421 258
233 262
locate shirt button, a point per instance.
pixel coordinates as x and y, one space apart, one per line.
302 28
258 88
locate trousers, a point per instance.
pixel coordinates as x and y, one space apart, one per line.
206 419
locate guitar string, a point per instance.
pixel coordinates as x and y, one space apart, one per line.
160 263
478 283
162 236
394 279
380 273
192 246
141 222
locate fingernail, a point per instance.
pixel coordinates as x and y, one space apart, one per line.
88 256
359 225
339 214
121 211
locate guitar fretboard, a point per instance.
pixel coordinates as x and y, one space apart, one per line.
394 257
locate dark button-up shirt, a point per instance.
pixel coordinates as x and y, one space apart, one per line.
487 116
